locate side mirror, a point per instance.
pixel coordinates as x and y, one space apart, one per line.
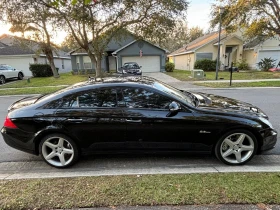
140 67
174 108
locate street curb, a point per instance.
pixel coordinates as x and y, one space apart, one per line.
150 166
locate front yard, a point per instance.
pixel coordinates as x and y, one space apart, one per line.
150 190
248 75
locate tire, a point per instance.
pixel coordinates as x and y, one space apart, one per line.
59 150
236 147
20 76
2 80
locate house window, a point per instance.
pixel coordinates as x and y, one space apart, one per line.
200 56
87 62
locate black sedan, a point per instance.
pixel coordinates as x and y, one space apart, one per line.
130 68
134 114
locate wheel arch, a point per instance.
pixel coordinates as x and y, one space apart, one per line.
44 133
242 127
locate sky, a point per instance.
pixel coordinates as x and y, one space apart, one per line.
198 15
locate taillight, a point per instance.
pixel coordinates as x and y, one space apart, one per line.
9 124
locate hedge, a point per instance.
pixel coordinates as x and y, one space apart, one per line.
205 64
41 70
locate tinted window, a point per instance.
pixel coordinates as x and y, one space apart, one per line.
91 99
141 98
3 68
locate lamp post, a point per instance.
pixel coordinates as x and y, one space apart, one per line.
221 10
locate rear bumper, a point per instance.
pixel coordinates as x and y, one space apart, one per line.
269 140
19 140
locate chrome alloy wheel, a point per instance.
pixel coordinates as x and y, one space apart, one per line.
57 151
2 80
237 148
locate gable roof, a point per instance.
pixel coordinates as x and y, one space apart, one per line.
14 50
120 49
199 42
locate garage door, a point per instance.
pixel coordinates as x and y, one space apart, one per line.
274 54
148 63
20 63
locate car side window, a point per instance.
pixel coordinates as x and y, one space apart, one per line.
141 98
91 99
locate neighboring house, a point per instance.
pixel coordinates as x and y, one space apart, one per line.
129 49
232 49
19 53
206 47
257 50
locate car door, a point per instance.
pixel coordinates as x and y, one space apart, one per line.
148 125
4 71
11 72
94 118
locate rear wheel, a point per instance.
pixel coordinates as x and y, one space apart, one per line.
20 76
2 80
236 147
59 150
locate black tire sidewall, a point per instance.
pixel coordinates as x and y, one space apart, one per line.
2 81
73 144
219 143
20 76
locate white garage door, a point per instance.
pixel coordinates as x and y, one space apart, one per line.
148 63
274 54
20 63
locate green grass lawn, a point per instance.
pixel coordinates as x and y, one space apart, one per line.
216 188
185 75
64 79
239 84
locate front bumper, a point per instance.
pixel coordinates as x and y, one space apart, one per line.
269 139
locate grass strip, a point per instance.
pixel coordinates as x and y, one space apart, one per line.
64 79
216 188
184 75
239 84
23 91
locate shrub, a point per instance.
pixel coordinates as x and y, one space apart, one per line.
242 65
266 64
205 64
169 67
41 70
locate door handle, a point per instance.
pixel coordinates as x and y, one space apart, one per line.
75 120
134 121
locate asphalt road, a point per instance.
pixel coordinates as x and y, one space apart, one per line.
267 99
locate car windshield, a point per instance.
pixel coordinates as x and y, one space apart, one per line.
130 65
175 92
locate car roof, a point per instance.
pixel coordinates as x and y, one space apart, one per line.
130 63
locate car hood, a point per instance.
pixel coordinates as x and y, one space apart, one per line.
227 105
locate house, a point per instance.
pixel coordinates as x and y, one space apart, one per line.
19 53
232 49
257 50
206 47
128 49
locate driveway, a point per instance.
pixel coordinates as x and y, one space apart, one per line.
171 80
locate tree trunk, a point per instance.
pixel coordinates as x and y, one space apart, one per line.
98 69
49 54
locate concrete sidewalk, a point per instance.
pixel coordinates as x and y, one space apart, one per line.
111 166
237 81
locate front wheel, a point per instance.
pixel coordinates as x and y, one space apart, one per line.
2 80
20 76
236 147
59 150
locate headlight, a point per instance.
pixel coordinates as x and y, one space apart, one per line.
264 120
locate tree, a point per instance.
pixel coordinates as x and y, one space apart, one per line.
94 24
69 44
29 16
258 18
179 36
